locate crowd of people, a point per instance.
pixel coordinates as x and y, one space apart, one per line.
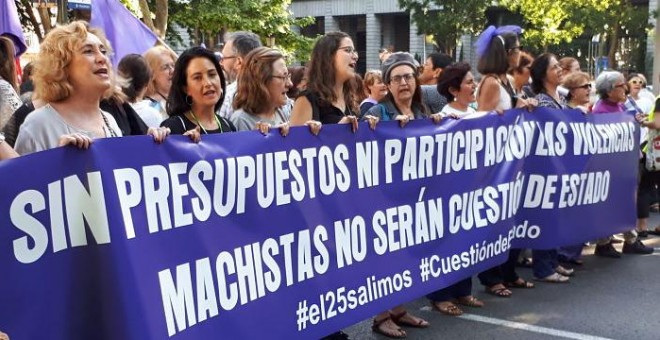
71 96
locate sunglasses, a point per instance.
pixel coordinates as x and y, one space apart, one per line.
637 82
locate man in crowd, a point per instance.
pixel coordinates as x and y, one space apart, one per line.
237 46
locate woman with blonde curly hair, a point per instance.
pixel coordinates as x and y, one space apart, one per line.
263 83
73 73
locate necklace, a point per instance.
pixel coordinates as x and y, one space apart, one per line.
202 126
107 125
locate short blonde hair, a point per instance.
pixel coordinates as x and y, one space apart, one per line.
370 79
152 56
51 79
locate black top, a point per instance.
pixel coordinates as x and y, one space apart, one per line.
128 120
325 112
15 121
180 124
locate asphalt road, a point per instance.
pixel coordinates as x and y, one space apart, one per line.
606 299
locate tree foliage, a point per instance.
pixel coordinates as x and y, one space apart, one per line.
447 20
267 18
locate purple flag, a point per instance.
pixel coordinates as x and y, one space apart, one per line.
126 33
10 25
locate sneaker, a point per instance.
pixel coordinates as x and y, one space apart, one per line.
636 247
643 233
607 250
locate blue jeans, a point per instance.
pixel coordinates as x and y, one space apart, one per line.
544 262
459 289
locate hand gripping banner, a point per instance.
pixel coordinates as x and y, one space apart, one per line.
246 236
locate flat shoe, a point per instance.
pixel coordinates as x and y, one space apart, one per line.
407 319
446 308
564 271
388 328
470 301
499 291
554 278
521 283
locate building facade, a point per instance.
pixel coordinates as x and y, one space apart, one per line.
373 24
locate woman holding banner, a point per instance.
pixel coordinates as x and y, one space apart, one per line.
457 84
73 73
546 77
198 88
263 83
329 96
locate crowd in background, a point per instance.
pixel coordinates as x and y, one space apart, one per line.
71 95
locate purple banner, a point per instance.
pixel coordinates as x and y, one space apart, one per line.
306 234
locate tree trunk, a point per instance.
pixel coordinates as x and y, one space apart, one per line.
45 16
614 46
146 14
33 19
161 18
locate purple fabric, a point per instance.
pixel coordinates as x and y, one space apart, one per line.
606 106
10 25
483 43
126 33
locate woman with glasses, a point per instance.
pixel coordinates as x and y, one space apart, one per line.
198 88
329 97
161 61
498 50
579 90
263 83
403 101
636 101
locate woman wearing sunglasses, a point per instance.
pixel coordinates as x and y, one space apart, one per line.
579 90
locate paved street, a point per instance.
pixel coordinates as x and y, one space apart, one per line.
606 299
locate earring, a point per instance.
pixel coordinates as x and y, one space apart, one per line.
189 102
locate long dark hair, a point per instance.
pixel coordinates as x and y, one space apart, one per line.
321 71
7 64
176 100
539 71
496 58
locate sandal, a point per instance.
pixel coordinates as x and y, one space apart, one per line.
554 278
407 319
499 290
446 307
470 301
520 283
388 328
564 271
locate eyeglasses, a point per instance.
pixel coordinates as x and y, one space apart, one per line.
519 48
284 78
229 57
620 85
585 86
167 67
348 49
408 77
636 82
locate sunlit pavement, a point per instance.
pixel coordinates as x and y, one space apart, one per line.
606 299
